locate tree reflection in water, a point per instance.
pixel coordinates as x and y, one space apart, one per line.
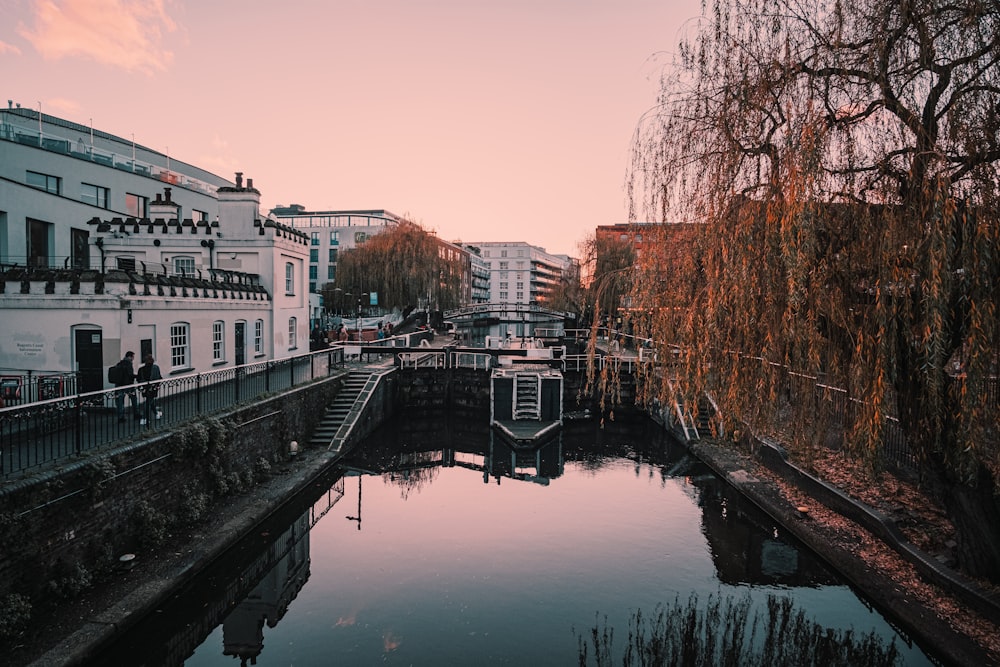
728 631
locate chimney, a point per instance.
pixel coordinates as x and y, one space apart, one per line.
239 207
163 207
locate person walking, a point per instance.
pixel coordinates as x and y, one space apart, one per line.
126 378
149 376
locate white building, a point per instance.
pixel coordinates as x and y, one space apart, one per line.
480 275
330 232
195 277
520 272
55 175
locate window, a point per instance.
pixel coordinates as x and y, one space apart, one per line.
293 326
333 255
52 184
218 340
94 195
183 266
314 255
312 287
520 296
503 265
314 238
503 253
289 278
503 285
180 345
258 337
334 238
135 205
331 272
503 296
520 285
313 272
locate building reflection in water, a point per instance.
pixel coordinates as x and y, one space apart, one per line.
243 628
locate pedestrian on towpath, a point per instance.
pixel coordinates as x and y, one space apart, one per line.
126 378
149 376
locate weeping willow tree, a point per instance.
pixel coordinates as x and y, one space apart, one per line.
406 267
839 160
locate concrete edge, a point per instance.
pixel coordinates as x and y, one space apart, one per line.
915 618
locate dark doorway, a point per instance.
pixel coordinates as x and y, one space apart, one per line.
38 243
89 360
241 344
145 347
79 240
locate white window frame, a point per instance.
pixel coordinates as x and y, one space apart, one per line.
180 345
183 265
289 278
258 337
218 340
293 331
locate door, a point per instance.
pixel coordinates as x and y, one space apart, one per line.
89 360
241 343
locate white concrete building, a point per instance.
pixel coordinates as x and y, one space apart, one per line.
55 175
520 272
197 278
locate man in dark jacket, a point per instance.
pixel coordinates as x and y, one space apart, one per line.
149 376
126 378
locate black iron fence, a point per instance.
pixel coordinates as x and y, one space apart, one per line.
47 431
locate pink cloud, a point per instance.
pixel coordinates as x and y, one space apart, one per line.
6 48
122 33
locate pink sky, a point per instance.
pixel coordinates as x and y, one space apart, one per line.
484 120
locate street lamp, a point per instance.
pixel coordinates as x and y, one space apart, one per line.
360 296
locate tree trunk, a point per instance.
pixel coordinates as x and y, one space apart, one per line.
974 510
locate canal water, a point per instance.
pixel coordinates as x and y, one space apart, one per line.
437 544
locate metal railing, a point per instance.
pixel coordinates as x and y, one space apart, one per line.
46 432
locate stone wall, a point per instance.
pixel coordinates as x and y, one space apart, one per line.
62 528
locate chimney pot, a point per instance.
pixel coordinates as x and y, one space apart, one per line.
249 184
166 194
239 179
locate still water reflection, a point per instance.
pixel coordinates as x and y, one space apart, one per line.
436 544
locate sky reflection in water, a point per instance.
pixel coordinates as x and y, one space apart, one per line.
452 567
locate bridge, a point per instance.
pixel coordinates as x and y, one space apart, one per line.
493 313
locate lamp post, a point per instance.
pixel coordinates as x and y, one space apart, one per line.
360 297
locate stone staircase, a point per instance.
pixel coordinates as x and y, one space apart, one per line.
338 411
